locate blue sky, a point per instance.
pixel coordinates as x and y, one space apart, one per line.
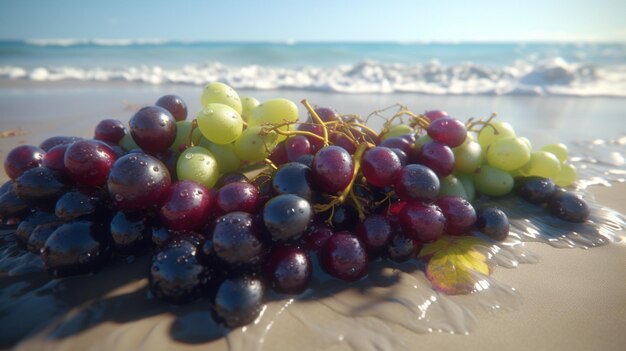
321 20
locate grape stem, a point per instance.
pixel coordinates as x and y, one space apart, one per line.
270 164
317 119
194 125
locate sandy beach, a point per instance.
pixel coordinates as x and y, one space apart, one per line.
572 299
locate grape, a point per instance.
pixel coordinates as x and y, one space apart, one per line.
224 154
417 182
344 217
316 236
436 114
398 143
236 240
508 154
232 177
542 164
169 158
128 143
293 178
130 232
419 142
494 223
468 157
297 146
436 156
316 129
488 135
397 130
288 269
75 204
448 131
327 114
493 181
51 142
279 154
175 105
199 165
536 190
287 216
401 248
238 196
567 176
332 169
568 206
306 160
527 142
248 104
187 206
559 150
89 161
460 215
25 228
452 186
380 166
344 257
55 160
341 140
110 130
22 158
404 159
375 233
422 222
153 128
221 93
11 205
183 136
137 182
220 123
39 236
76 248
239 300
274 111
468 184
40 187
254 144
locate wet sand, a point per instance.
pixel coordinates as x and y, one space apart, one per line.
572 299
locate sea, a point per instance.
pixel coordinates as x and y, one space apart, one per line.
560 69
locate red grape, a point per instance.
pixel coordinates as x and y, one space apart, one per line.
297 146
110 130
89 161
436 156
417 182
332 169
380 166
153 128
459 213
422 222
237 196
436 114
375 233
288 269
175 105
344 257
22 158
448 131
187 206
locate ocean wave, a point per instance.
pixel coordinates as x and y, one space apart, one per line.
96 42
551 77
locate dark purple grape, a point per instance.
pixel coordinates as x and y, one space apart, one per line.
375 232
287 216
316 236
494 223
110 130
293 178
153 128
40 187
410 137
51 142
316 129
236 241
380 166
75 204
130 232
397 143
288 269
436 156
436 114
238 301
76 248
175 105
137 182
238 196
297 146
55 160
176 275
332 169
10 204
306 160
26 227
279 154
232 177
160 234
448 131
460 215
326 114
339 139
536 190
568 206
344 217
187 206
422 222
89 161
401 248
417 183
169 158
21 159
344 257
40 235
402 156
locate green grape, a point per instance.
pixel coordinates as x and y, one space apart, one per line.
128 143
397 130
542 164
468 184
421 140
224 155
274 111
508 154
527 142
247 105
219 123
468 138
183 135
559 150
452 186
254 147
198 164
467 157
567 176
492 181
196 136
221 93
488 135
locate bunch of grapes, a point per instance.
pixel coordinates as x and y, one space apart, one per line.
329 189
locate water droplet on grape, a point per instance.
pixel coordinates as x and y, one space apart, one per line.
119 198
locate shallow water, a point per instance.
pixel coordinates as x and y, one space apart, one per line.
114 307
